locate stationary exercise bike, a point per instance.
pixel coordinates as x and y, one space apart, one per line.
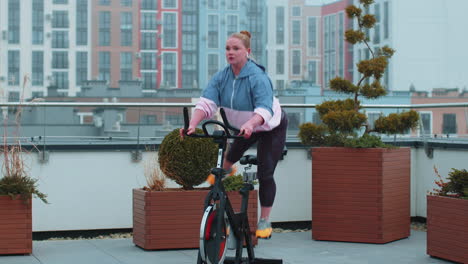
219 220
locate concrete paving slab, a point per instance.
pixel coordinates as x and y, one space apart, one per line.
293 248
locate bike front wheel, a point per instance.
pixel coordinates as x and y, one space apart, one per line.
214 232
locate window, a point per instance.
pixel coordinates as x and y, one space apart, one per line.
104 2
213 32
13 96
37 94
60 79
189 5
231 26
189 79
169 67
189 23
126 66
294 120
148 41
60 19
213 64
341 44
312 72
104 28
386 31
81 22
148 21
126 3
104 65
316 118
377 24
126 29
296 11
148 119
169 30
169 4
148 61
372 117
59 39
37 68
149 80
13 67
449 125
280 62
296 32
38 22
312 36
425 127
296 62
189 61
60 1
232 4
189 42
148 4
81 67
60 60
14 21
280 20
212 4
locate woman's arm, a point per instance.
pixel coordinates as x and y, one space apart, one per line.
247 128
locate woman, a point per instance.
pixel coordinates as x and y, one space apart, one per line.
245 92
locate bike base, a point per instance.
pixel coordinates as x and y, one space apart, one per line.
232 260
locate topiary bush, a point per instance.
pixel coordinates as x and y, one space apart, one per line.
342 119
187 161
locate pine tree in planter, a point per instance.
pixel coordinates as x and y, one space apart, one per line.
352 198
170 218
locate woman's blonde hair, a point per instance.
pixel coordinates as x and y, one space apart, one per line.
244 36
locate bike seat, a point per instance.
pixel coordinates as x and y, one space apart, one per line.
248 159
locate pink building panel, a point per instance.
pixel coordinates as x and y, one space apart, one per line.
438 113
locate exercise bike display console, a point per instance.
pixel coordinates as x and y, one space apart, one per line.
219 220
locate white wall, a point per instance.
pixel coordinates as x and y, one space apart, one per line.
93 189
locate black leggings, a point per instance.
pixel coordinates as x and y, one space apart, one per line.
269 151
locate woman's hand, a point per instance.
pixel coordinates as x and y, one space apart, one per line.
189 131
246 129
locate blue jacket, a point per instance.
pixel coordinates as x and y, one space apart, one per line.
251 92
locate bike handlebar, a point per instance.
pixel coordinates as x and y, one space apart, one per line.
225 125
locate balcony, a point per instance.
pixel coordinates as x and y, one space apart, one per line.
89 156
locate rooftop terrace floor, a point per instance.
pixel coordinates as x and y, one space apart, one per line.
292 247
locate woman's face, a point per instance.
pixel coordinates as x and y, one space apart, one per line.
236 52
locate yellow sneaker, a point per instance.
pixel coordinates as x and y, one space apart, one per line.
211 178
264 229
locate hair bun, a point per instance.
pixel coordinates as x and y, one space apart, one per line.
245 32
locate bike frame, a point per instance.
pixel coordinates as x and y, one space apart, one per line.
238 221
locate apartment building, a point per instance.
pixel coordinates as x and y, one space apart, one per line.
337 54
114 40
43 43
220 20
442 122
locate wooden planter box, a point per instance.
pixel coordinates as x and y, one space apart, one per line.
171 219
15 226
447 228
360 195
